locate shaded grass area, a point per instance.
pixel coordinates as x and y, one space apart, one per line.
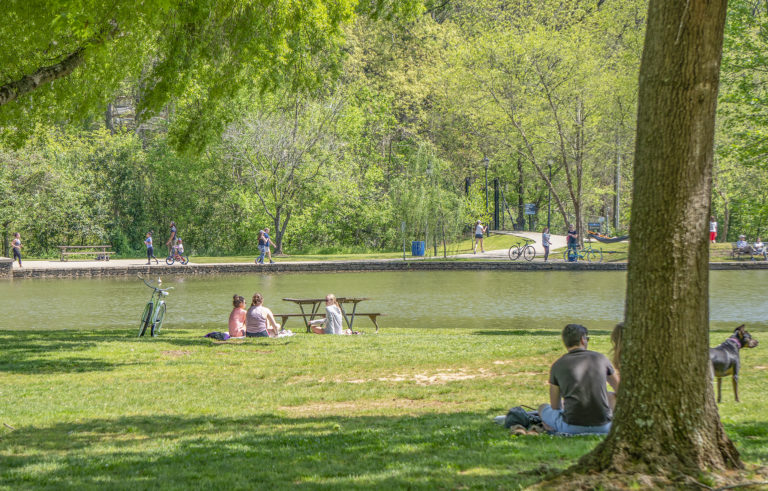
401 409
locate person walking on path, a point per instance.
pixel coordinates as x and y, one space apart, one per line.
545 242
479 231
712 229
16 246
264 249
172 240
268 242
150 248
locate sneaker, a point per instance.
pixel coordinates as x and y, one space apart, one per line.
148 263
271 262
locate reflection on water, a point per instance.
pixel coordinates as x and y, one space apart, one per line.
473 299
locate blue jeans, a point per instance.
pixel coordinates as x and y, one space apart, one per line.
554 419
262 251
260 334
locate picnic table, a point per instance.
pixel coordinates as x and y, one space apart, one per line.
100 251
310 308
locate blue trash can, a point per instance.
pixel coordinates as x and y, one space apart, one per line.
418 247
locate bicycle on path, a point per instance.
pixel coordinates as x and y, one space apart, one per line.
154 312
526 251
176 256
579 254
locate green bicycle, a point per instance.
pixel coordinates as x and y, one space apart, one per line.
579 254
154 312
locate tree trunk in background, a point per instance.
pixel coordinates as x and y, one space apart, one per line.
723 230
667 421
520 194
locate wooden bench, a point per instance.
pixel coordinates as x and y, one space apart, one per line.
100 251
310 317
736 253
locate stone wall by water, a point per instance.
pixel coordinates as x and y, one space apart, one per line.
6 268
345 266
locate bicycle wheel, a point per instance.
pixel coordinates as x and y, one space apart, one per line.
590 255
145 318
529 253
514 253
169 260
184 259
158 319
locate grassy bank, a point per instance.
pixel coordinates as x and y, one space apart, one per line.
327 253
401 409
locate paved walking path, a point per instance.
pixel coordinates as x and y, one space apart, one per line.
558 241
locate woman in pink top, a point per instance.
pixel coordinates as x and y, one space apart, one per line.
237 317
259 318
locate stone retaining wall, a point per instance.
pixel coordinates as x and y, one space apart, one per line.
333 267
6 268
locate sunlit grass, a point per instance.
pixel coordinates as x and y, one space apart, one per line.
401 409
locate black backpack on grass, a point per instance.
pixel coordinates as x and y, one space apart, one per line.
519 416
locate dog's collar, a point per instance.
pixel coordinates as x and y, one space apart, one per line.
736 341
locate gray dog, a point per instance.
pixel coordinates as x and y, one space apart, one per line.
726 361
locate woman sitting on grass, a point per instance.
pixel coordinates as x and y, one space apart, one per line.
237 318
332 322
259 319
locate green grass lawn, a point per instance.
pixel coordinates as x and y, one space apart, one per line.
401 409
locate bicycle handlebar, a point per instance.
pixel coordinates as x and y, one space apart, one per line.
154 287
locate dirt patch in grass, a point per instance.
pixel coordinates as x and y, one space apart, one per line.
176 353
440 376
351 407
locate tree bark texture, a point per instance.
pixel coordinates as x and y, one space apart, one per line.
666 420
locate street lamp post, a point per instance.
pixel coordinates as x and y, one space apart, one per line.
549 195
485 163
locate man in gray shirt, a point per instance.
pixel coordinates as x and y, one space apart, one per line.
579 400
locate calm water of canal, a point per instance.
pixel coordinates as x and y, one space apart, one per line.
481 300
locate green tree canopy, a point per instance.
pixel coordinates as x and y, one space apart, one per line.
61 60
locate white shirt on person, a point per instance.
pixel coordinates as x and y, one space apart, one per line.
333 319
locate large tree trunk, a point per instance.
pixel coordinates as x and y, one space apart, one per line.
520 194
667 421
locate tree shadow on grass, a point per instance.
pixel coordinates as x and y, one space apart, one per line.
428 451
26 352
752 438
523 332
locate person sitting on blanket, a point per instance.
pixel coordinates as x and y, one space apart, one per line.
579 401
259 320
237 317
331 324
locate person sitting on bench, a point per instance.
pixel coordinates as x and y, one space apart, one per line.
331 324
579 401
743 246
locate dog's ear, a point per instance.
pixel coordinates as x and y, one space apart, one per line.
741 328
